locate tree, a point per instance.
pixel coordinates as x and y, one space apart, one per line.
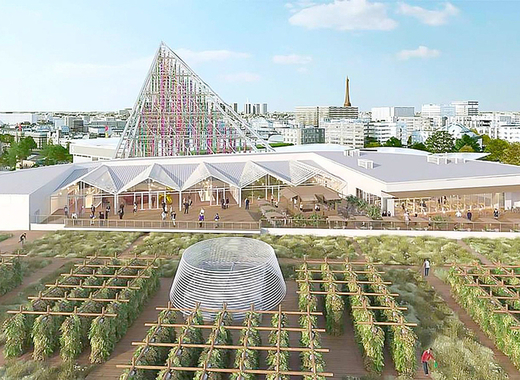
512 154
466 148
371 142
54 154
467 140
440 142
7 139
418 146
394 142
496 149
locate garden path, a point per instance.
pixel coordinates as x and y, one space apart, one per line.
481 257
127 253
443 290
13 243
56 262
124 350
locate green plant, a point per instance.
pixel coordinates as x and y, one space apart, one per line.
11 275
278 360
334 305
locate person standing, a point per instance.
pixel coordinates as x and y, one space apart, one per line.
135 207
469 215
201 219
247 203
495 213
425 358
66 211
217 218
107 210
173 216
426 266
92 208
227 202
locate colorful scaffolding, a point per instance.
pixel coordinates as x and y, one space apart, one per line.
179 114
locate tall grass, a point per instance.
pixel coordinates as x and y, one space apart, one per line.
80 243
413 250
503 250
457 351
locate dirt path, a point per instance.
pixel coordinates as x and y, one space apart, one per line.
13 243
56 263
124 349
127 253
444 291
482 258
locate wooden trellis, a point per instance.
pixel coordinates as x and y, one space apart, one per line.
367 268
513 291
67 297
211 344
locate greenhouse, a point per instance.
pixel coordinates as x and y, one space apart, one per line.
237 272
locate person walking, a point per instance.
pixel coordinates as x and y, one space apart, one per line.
186 207
227 202
425 358
173 216
201 219
135 208
469 215
426 266
121 211
223 203
495 213
66 211
217 218
107 210
23 238
92 208
247 203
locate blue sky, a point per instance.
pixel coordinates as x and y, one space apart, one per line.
94 55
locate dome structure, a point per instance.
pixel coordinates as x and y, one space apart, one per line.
231 270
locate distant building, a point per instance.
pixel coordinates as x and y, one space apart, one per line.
391 113
465 107
348 132
14 118
256 109
301 135
248 108
383 131
311 116
235 107
264 109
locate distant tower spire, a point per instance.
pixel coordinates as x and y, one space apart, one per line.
347 96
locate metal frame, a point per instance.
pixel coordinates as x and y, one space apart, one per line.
177 113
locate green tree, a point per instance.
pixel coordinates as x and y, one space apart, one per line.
467 140
25 147
466 148
7 139
512 154
394 142
54 154
418 146
496 149
371 142
440 142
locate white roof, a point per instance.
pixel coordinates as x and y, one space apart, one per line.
240 170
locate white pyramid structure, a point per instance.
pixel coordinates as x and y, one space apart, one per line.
177 113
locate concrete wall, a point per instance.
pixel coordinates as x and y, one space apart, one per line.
14 212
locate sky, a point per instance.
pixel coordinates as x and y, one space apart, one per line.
94 55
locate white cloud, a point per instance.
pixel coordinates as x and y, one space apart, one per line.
427 16
292 59
345 15
209 55
241 77
302 70
420 52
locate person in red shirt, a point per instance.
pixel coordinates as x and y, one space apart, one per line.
425 358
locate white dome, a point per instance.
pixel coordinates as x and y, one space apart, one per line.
232 270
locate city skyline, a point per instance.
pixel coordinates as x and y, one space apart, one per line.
70 57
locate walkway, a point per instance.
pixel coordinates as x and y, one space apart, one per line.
13 243
443 290
124 350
